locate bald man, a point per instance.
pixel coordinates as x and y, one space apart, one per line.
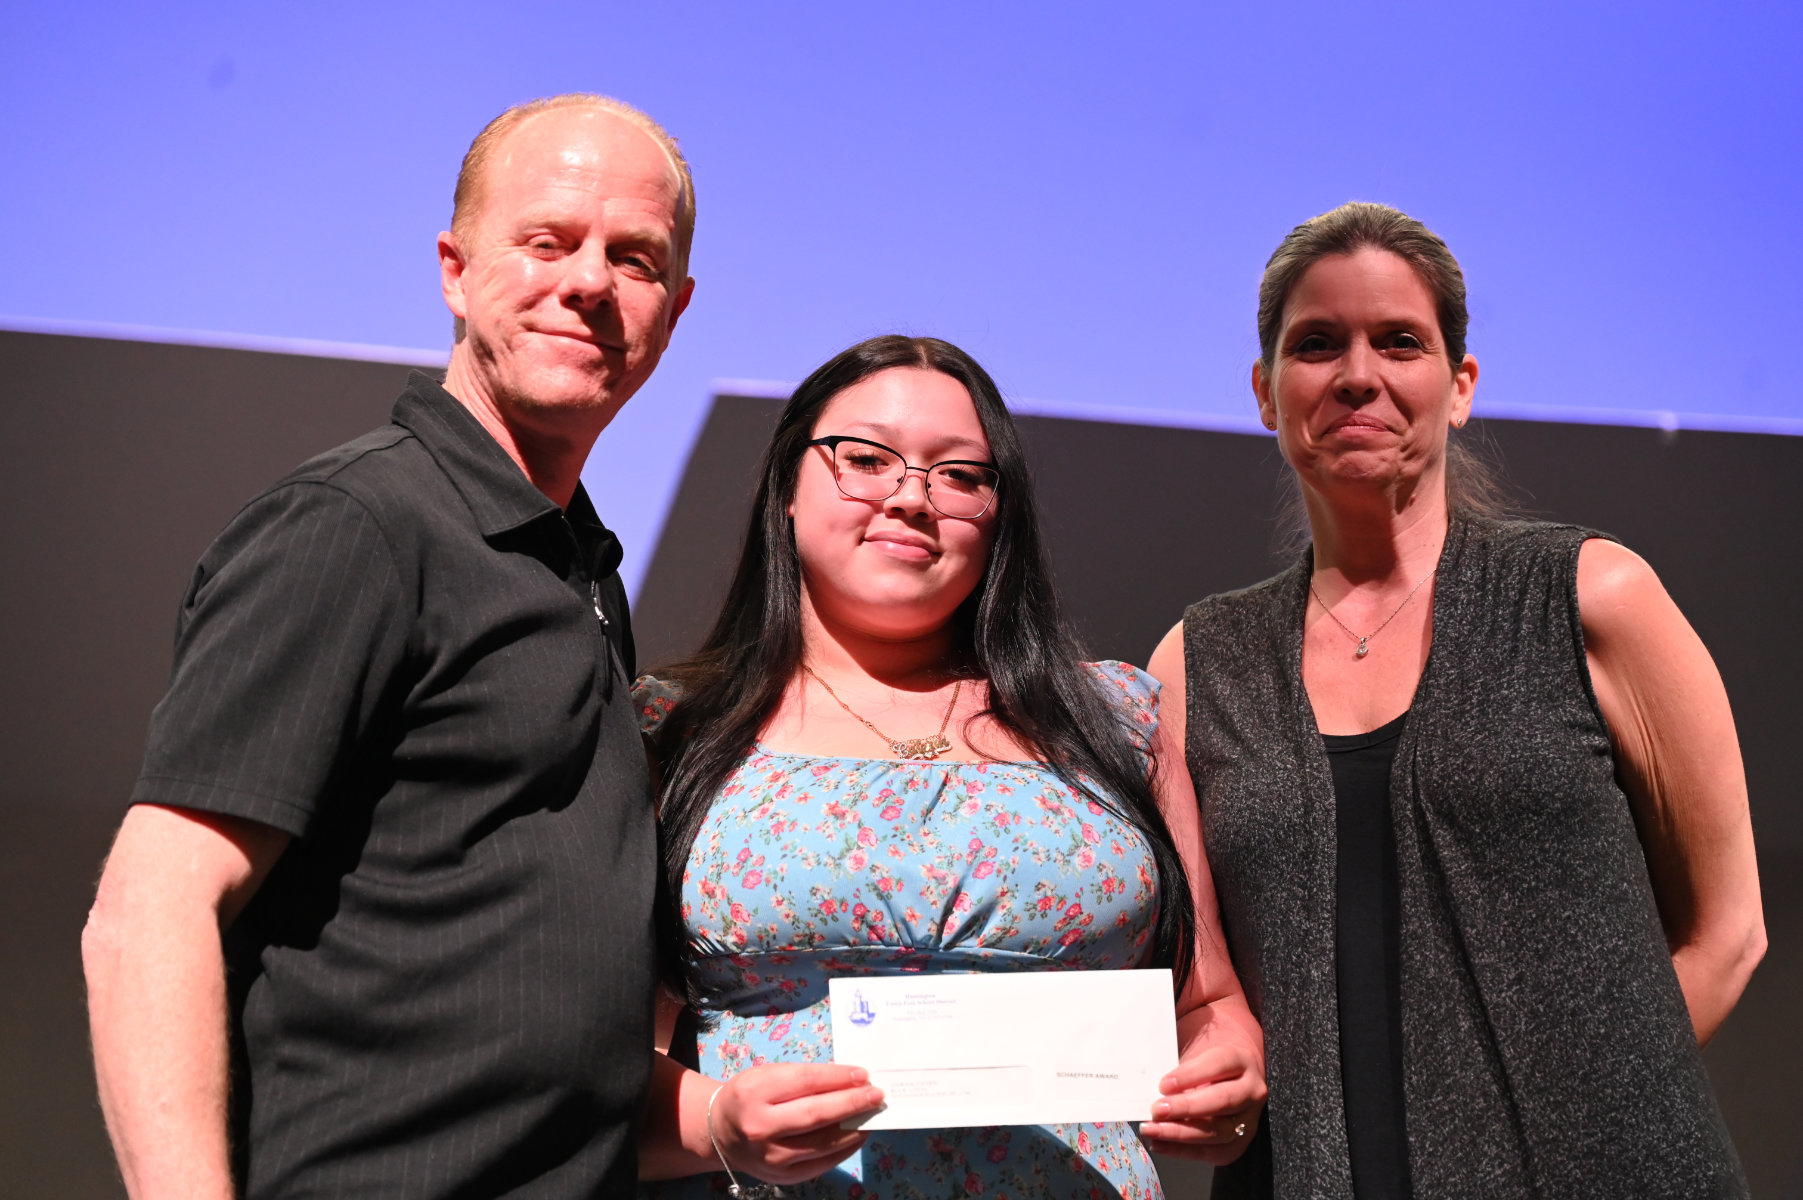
379 919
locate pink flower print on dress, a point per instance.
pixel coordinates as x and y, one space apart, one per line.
739 913
1089 833
1086 858
752 878
866 836
856 860
984 869
890 812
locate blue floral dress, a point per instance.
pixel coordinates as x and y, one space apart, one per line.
811 867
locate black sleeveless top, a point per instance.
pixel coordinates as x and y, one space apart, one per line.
1546 1046
1367 960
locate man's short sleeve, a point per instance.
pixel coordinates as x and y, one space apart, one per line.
289 644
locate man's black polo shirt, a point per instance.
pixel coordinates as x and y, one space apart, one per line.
444 987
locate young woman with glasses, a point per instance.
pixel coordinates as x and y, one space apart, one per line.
887 757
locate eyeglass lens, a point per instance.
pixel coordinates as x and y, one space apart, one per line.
869 472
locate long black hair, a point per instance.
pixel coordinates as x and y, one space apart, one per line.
1009 630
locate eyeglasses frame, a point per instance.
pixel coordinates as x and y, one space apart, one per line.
832 442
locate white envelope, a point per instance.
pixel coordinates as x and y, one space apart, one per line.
1028 1048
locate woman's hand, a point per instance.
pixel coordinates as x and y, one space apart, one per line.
781 1122
1210 1105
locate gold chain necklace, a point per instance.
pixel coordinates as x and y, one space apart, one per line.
1364 643
926 747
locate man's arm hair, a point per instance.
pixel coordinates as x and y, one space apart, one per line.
155 968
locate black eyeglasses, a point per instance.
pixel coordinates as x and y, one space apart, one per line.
868 470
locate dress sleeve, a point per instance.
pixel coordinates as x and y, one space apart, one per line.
1134 695
654 699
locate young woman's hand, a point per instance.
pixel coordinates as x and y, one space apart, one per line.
781 1122
1210 1105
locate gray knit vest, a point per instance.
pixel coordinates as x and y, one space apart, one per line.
1547 1050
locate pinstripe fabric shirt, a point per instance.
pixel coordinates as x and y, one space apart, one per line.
409 659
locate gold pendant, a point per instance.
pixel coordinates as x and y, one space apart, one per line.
926 747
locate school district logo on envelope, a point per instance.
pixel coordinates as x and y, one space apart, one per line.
860 1013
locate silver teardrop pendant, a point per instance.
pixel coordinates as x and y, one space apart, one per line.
1364 647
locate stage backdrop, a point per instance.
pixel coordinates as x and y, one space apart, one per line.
123 459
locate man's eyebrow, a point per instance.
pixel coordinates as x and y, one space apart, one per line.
648 232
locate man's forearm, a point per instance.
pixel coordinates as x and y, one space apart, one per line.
157 1012
156 992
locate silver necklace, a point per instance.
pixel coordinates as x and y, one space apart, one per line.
1364 642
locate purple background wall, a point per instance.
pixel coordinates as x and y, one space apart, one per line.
1083 196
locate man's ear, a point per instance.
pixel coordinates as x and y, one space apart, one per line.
683 295
451 266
